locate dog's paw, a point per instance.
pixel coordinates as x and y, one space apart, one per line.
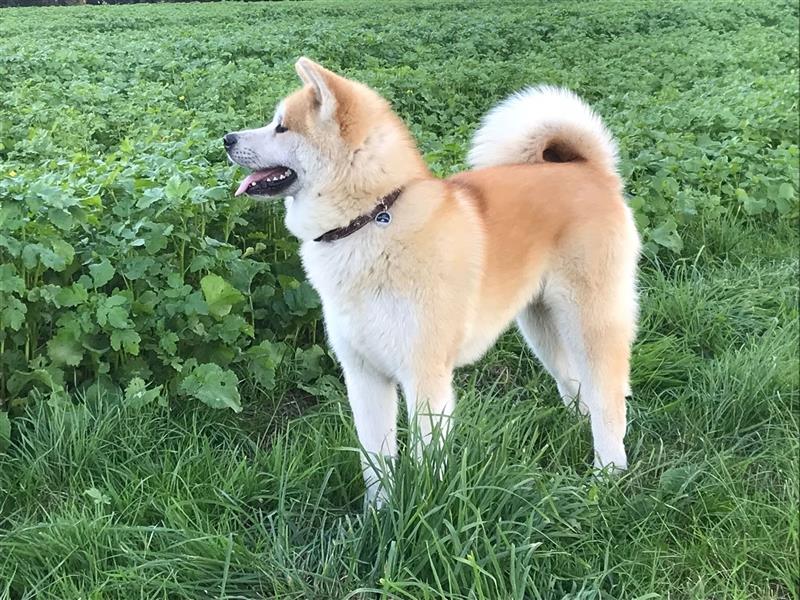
375 498
611 466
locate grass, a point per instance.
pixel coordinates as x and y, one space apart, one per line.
102 502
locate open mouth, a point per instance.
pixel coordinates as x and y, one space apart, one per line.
267 182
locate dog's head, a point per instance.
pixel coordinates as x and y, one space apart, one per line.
333 146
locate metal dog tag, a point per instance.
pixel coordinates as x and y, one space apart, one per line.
383 218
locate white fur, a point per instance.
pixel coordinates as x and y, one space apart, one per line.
520 128
371 331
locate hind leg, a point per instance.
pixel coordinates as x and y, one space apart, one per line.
598 334
538 327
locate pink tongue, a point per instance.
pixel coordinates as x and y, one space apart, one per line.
253 177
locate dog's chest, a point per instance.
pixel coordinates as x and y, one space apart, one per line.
366 311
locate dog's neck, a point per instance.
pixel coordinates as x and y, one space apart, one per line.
380 214
388 161
375 171
312 215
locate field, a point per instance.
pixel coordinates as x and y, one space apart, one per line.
171 422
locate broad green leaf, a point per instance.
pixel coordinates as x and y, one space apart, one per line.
230 328
157 238
74 295
194 304
137 395
61 218
30 255
5 431
219 295
97 496
301 298
65 350
263 361
12 313
666 235
786 198
10 281
145 303
11 244
175 280
101 272
137 267
53 196
52 377
243 272
308 362
49 193
64 251
327 386
127 339
168 342
786 191
10 216
57 257
288 283
43 293
113 311
176 189
149 197
752 206
202 262
214 386
217 193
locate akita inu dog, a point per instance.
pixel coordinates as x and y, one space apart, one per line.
419 275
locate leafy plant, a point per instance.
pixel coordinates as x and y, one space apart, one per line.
125 258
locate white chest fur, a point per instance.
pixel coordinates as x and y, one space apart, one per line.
367 316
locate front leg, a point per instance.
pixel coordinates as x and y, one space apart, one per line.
430 401
373 400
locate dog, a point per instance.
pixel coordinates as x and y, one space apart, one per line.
418 275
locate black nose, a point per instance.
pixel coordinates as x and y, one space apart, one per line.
230 140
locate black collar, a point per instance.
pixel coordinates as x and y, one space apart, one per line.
379 214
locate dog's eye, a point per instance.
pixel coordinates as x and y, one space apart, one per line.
280 128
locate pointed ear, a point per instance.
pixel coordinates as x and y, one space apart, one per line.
320 81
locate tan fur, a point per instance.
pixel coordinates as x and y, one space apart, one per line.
552 245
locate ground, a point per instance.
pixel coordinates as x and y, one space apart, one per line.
105 498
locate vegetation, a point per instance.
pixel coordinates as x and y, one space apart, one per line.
137 295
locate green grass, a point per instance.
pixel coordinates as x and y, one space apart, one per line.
99 501
197 504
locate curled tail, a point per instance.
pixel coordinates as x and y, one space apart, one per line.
542 124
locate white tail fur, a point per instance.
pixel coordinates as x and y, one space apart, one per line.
538 119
